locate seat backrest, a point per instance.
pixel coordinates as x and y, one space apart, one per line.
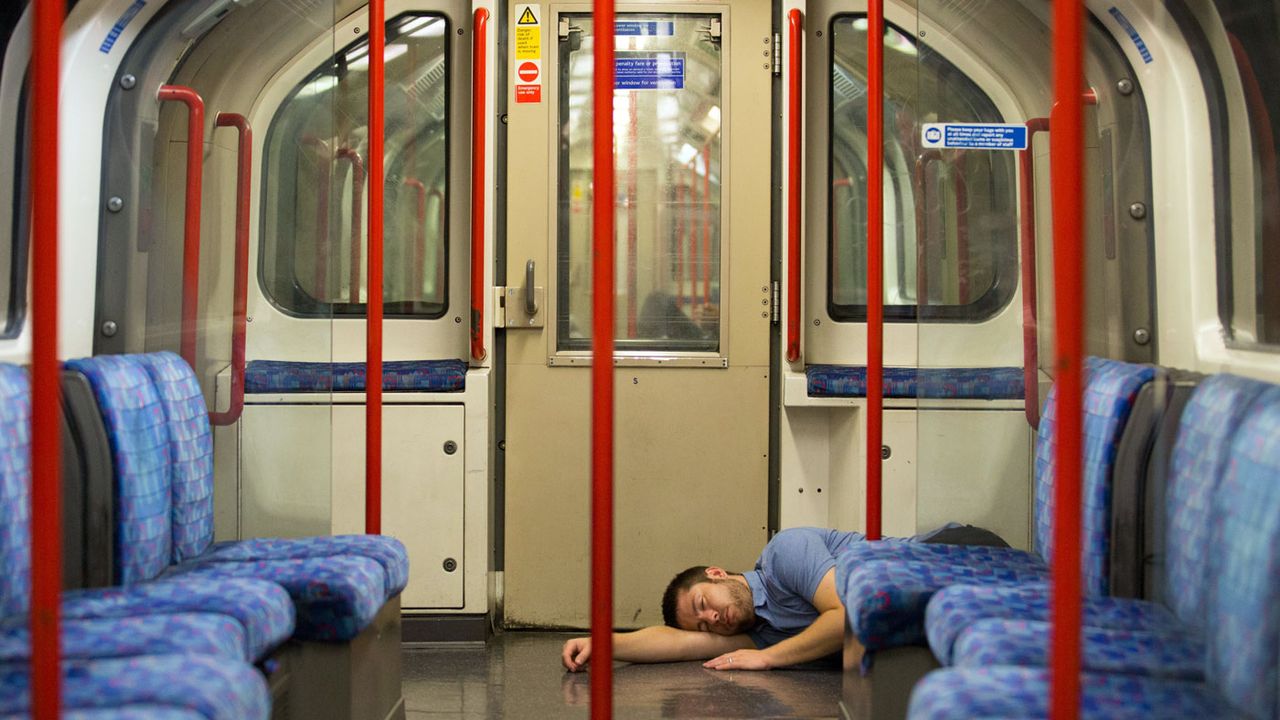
191 450
1181 385
87 456
1199 461
1244 547
135 423
1110 390
15 490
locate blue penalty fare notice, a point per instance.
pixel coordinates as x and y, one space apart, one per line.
648 71
974 136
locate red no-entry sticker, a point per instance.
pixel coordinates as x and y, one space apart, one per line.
528 72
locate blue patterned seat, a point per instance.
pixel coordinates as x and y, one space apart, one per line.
932 383
164 686
1013 693
1200 457
133 711
1241 615
336 584
885 591
240 619
275 376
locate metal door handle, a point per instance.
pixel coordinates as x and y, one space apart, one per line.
530 292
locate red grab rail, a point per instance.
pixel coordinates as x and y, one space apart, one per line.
875 261
795 75
1027 242
46 439
358 178
321 279
602 333
706 224
632 213
1067 167
1030 306
479 114
420 237
373 319
191 224
440 248
240 291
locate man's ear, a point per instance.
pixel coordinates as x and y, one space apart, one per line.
717 573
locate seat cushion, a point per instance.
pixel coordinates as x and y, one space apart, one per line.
275 376
15 490
263 609
335 597
135 421
135 711
208 634
1012 693
987 643
389 552
214 688
955 608
886 585
933 383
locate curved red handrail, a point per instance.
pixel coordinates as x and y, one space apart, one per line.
358 176
191 222
479 114
321 279
420 237
1030 306
603 288
1067 169
875 262
795 75
46 439
373 316
240 290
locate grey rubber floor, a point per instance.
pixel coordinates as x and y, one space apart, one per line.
518 675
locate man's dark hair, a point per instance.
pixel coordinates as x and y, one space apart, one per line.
680 583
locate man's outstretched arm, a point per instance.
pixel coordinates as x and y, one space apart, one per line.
822 638
657 643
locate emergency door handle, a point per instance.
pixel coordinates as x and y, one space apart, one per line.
530 291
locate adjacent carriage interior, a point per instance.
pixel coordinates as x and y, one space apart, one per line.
218 272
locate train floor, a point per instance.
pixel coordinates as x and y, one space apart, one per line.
518 675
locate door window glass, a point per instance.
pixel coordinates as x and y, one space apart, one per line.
314 233
667 114
950 225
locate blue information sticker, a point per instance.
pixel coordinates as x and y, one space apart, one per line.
974 136
648 71
1138 42
129 14
630 28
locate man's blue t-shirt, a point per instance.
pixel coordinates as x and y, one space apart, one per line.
787 575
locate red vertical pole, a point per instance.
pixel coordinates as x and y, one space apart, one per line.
875 260
602 322
795 75
46 475
479 114
323 168
632 212
373 347
1066 164
681 198
191 219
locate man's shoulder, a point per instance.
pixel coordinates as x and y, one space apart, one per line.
802 538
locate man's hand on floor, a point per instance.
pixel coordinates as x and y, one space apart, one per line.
576 654
740 660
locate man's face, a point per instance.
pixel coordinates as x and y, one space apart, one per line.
723 607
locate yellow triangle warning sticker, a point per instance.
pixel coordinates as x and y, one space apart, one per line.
527 18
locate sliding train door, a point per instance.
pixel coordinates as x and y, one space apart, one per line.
693 300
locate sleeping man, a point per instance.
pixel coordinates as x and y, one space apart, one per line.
784 612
